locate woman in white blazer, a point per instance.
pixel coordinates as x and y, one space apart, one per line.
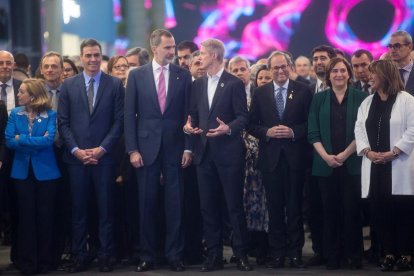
384 134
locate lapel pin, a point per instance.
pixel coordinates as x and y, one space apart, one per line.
39 120
291 95
222 84
178 78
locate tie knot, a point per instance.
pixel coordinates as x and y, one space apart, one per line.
92 80
4 86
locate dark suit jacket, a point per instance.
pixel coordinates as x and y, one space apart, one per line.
146 128
409 87
230 105
16 86
3 122
102 128
319 128
263 115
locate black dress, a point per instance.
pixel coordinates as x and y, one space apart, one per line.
391 214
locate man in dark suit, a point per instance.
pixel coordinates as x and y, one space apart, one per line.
278 118
90 117
321 55
218 114
360 61
155 109
9 87
400 47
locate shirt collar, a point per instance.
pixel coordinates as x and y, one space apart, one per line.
9 82
97 77
217 75
57 88
408 67
285 85
23 111
156 67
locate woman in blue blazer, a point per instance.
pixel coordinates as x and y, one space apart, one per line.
30 133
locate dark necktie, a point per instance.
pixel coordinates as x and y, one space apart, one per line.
90 95
402 71
162 93
280 102
4 93
366 87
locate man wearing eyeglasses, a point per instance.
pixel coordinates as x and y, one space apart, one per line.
278 118
400 47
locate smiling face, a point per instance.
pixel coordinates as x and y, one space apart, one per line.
6 66
280 69
120 69
320 61
339 76
91 57
51 69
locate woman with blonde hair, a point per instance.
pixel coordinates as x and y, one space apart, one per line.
30 133
384 134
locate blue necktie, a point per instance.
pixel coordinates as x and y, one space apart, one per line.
280 102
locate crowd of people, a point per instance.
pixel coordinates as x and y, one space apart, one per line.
166 160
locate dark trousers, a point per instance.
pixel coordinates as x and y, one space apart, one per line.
315 213
148 178
192 216
214 179
83 181
392 215
35 201
284 190
341 197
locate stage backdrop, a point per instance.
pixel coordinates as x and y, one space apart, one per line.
254 28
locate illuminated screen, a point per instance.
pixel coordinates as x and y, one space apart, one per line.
254 28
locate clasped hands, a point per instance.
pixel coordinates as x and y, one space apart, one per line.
222 129
380 157
279 131
335 161
89 156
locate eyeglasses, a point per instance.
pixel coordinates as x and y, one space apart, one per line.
277 68
69 69
123 66
397 46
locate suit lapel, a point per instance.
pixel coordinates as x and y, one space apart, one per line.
82 90
270 98
290 98
204 95
102 84
153 88
172 81
410 83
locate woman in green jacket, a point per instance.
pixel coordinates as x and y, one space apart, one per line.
336 166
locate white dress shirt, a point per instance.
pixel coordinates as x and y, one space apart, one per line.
212 85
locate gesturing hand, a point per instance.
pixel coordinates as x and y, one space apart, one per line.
191 130
220 130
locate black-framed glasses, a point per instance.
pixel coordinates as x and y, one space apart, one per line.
397 46
123 66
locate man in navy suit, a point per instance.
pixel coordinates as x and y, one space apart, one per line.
90 117
218 114
278 118
155 110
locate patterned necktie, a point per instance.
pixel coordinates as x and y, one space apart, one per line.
280 102
90 95
162 94
402 71
4 93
